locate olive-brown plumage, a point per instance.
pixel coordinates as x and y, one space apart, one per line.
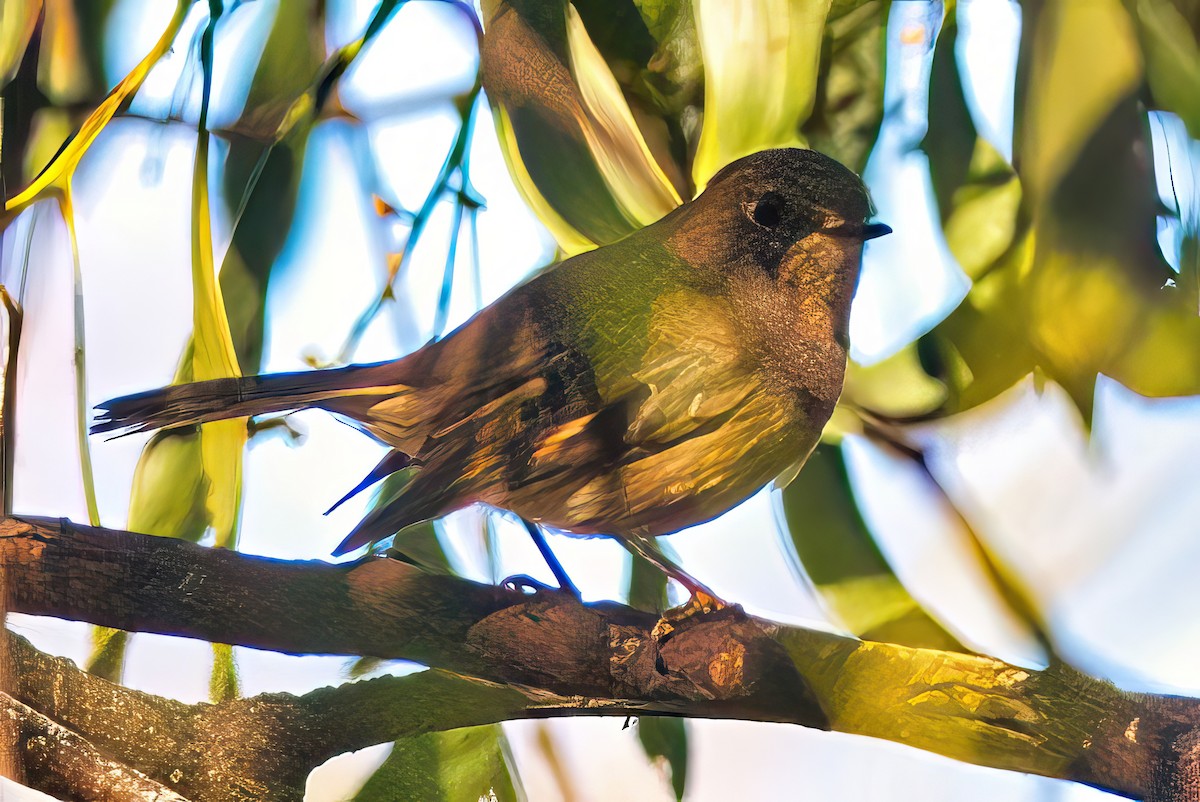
634 390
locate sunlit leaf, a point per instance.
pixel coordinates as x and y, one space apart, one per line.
761 61
107 658
636 182
60 170
169 488
665 740
223 683
562 114
17 21
840 558
462 765
1085 290
984 214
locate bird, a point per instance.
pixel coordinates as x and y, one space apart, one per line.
630 391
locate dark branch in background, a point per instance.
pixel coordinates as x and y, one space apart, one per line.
599 659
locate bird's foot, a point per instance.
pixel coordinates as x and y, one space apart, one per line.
702 602
523 583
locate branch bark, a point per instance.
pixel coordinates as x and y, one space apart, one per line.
64 764
599 659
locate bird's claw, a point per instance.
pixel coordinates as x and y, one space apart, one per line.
700 603
523 583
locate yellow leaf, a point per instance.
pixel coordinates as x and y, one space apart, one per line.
1084 59
17 21
61 168
761 60
637 183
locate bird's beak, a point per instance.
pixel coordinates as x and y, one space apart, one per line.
873 230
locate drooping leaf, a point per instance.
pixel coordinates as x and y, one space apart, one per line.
950 138
262 173
665 741
460 765
562 115
61 168
761 62
841 559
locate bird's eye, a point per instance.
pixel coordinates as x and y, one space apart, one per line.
768 210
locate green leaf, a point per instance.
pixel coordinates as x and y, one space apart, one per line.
761 62
223 682
977 191
107 658
418 544
58 172
848 108
169 487
647 585
950 138
460 765
665 740
1082 289
1172 58
845 565
897 387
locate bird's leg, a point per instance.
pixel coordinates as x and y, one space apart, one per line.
539 539
702 600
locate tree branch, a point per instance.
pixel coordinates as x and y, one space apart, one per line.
62 763
600 658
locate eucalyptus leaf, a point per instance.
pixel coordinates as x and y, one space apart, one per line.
665 741
462 765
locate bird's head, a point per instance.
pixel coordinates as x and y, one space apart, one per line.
776 210
780 233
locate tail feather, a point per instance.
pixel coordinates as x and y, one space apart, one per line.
190 404
412 499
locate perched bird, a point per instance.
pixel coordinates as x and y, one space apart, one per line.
631 391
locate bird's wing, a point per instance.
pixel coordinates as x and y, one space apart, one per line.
693 369
688 434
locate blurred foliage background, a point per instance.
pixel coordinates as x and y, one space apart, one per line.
201 189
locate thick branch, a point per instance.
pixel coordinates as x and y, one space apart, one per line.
64 764
261 748
1054 722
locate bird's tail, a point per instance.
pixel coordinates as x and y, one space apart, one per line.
189 404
